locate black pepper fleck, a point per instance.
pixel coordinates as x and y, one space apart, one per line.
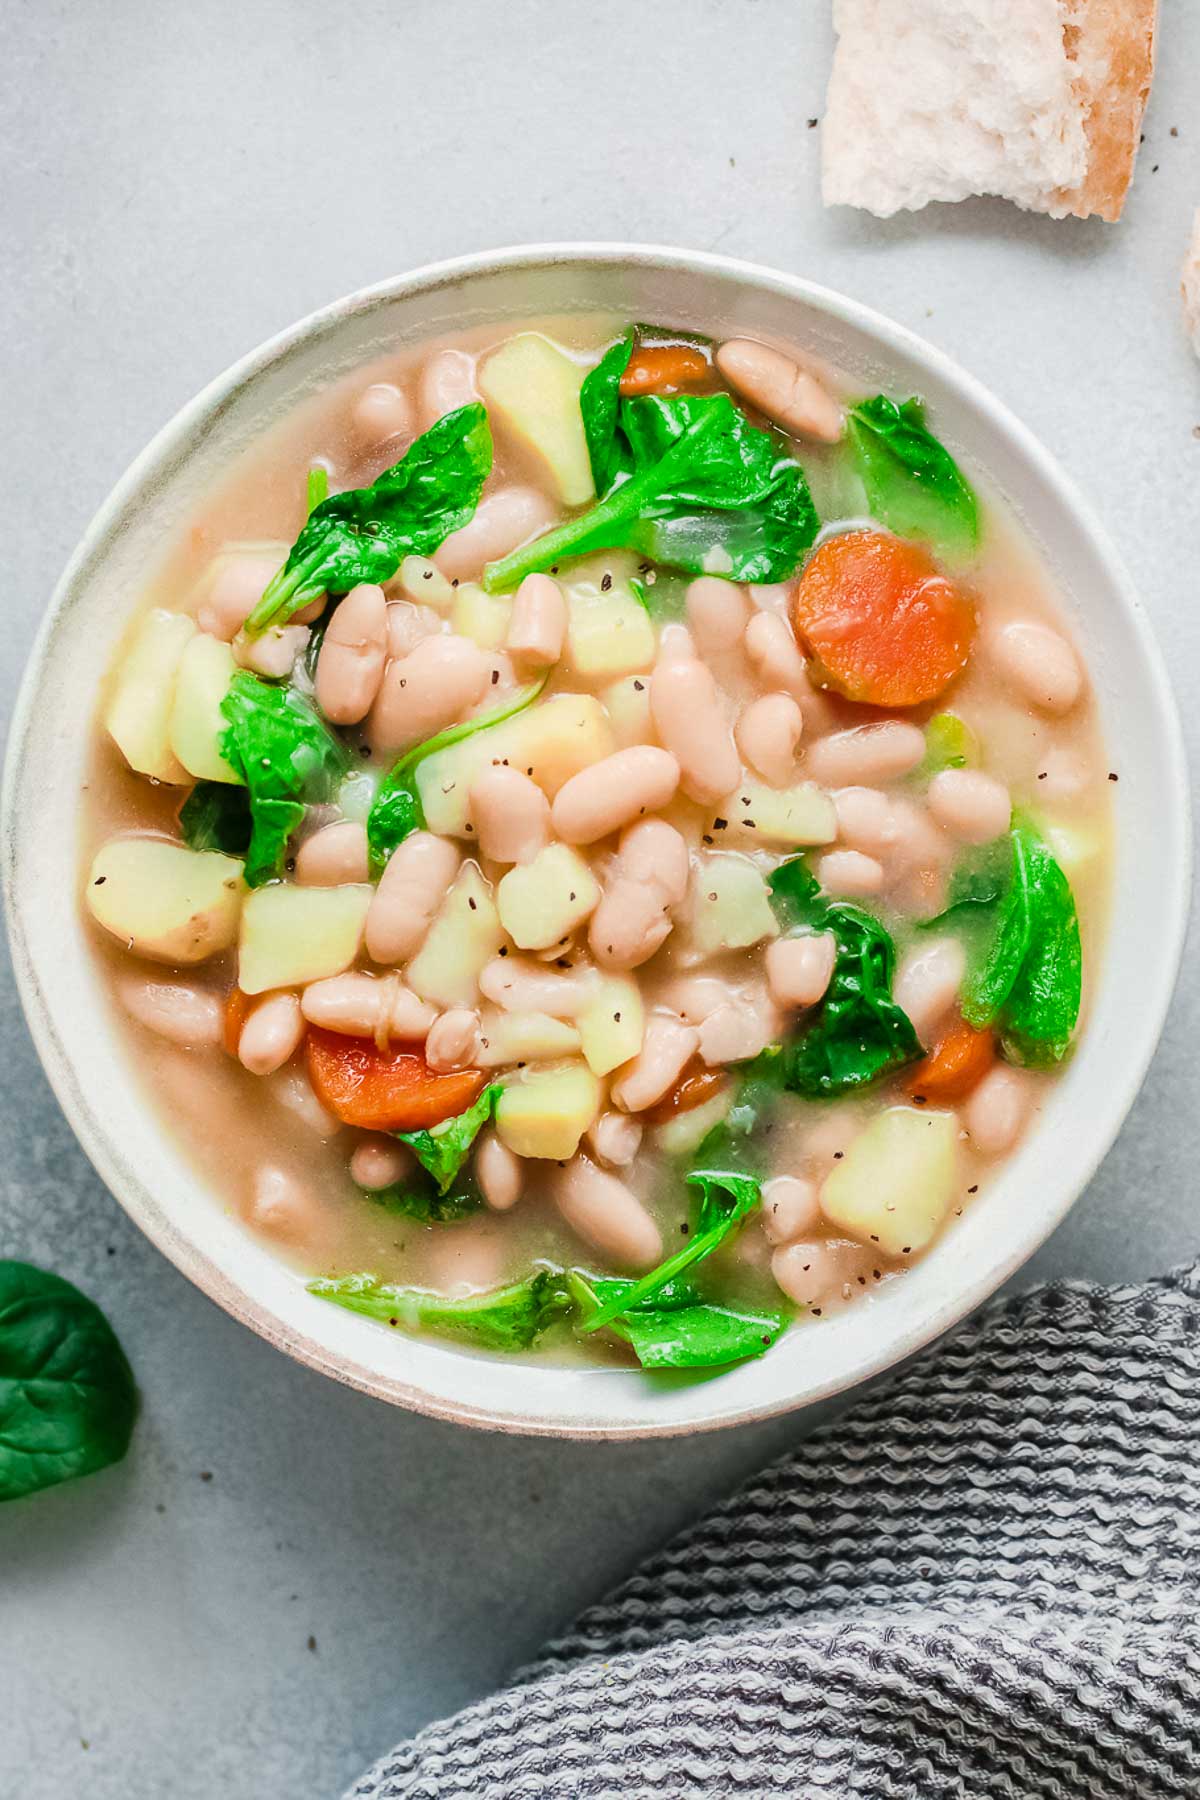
1112 775
100 881
838 1155
813 123
605 582
495 676
639 686
471 903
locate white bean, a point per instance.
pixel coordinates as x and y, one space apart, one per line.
668 1046
409 625
694 997
502 522
410 891
718 612
865 820
353 652
381 413
773 651
500 1173
511 814
271 1034
972 806
359 1005
182 1014
865 755
615 1138
996 1110
274 653
607 1215
649 878
538 623
799 968
850 873
447 382
453 1040
281 1205
817 1273
790 1208
613 792
334 855
379 1162
927 982
691 724
235 591
1039 663
675 644
733 1033
768 732
518 985
781 389
421 693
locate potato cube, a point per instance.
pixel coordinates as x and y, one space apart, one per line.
197 722
466 933
532 388
137 714
523 1037
730 904
546 1111
543 901
612 1023
164 901
482 617
294 935
762 818
627 703
551 742
894 1185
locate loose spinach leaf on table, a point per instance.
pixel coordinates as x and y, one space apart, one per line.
444 1148
856 1034
509 1318
216 816
694 486
67 1394
397 811
687 1333
365 533
286 756
914 486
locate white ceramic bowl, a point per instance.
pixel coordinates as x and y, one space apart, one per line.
84 1056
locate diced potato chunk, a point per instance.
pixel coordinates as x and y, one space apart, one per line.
547 1111
612 1023
532 387
1076 846
687 1129
730 904
422 581
466 933
523 1037
294 935
138 713
763 818
627 703
165 901
541 902
552 741
205 670
894 1185
610 635
481 617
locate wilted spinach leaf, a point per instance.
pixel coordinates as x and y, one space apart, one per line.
949 744
600 406
365 533
688 1333
419 1197
444 1148
508 1318
914 486
285 755
216 816
67 1394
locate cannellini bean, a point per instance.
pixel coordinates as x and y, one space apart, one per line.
520 986
718 612
1039 663
733 1033
334 855
511 814
865 755
781 389
502 522
675 644
799 968
613 792
274 653
182 1014
607 1215
409 625
849 872
378 1162
614 1138
381 413
354 650
361 1005
768 732
694 997
411 888
773 651
281 1205
447 382
816 1272
271 1035
865 820
235 591
996 1111
828 1141
668 1046
649 878
690 723
453 1040
293 1090
538 623
500 1173
790 1208
927 982
428 689
972 806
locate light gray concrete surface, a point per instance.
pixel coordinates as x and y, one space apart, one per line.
284 1577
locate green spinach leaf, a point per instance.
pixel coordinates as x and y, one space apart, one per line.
691 1333
949 744
444 1148
397 811
697 487
419 1197
285 755
600 407
914 486
67 1394
509 1318
317 490
365 533
216 816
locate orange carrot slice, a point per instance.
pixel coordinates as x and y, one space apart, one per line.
661 368
384 1090
961 1057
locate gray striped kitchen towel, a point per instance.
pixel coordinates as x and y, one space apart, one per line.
981 1581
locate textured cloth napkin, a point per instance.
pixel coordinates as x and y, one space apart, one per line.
981 1581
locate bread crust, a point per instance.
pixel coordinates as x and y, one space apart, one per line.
1111 43
1191 286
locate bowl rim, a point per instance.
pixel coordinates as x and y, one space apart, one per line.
171 445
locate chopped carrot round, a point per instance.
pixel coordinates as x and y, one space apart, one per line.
880 622
384 1090
238 1007
693 1088
660 368
959 1060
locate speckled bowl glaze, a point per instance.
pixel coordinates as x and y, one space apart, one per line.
85 1059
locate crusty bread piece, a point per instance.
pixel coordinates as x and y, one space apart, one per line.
1039 101
1191 286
